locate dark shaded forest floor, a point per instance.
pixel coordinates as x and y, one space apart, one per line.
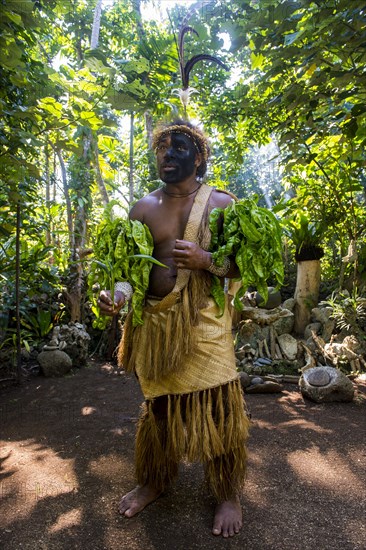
67 457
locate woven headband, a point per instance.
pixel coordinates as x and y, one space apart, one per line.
198 139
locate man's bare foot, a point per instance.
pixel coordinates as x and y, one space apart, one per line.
137 499
228 518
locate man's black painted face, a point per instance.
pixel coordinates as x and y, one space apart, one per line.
176 155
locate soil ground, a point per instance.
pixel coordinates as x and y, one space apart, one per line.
67 457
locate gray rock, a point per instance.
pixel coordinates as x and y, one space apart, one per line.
339 388
319 377
244 379
74 340
274 299
289 304
248 368
328 329
284 325
262 361
256 380
311 345
321 314
25 354
54 362
240 354
251 332
312 327
288 345
266 387
53 344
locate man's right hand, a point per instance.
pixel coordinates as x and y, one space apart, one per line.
105 304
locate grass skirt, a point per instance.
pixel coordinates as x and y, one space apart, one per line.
209 426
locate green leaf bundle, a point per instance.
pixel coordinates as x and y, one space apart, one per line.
252 235
122 252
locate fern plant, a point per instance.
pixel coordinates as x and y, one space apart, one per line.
349 310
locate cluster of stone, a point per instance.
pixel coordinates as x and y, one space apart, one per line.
265 342
68 347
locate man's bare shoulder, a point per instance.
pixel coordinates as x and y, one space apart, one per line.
220 199
144 205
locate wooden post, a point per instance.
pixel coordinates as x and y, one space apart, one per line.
306 293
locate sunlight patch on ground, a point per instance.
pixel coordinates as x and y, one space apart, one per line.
305 425
258 496
31 473
327 470
67 520
262 425
86 411
119 431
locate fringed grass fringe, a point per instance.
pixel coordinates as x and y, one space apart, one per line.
225 474
193 425
154 465
198 429
176 434
126 353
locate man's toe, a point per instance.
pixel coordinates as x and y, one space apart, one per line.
216 530
122 507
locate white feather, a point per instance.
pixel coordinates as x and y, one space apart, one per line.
185 95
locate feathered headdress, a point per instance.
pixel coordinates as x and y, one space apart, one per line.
186 68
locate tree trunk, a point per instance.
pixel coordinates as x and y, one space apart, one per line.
79 170
76 275
136 4
153 174
70 226
98 172
48 194
96 25
306 293
17 294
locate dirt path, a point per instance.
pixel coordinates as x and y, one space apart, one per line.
67 456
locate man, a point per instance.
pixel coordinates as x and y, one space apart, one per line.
183 354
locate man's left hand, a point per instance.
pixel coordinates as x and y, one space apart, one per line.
189 255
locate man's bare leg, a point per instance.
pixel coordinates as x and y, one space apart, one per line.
228 518
136 500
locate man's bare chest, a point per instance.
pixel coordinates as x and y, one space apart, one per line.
168 223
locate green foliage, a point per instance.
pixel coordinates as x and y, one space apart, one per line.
252 235
307 63
39 288
297 77
305 234
300 68
349 310
122 252
40 323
